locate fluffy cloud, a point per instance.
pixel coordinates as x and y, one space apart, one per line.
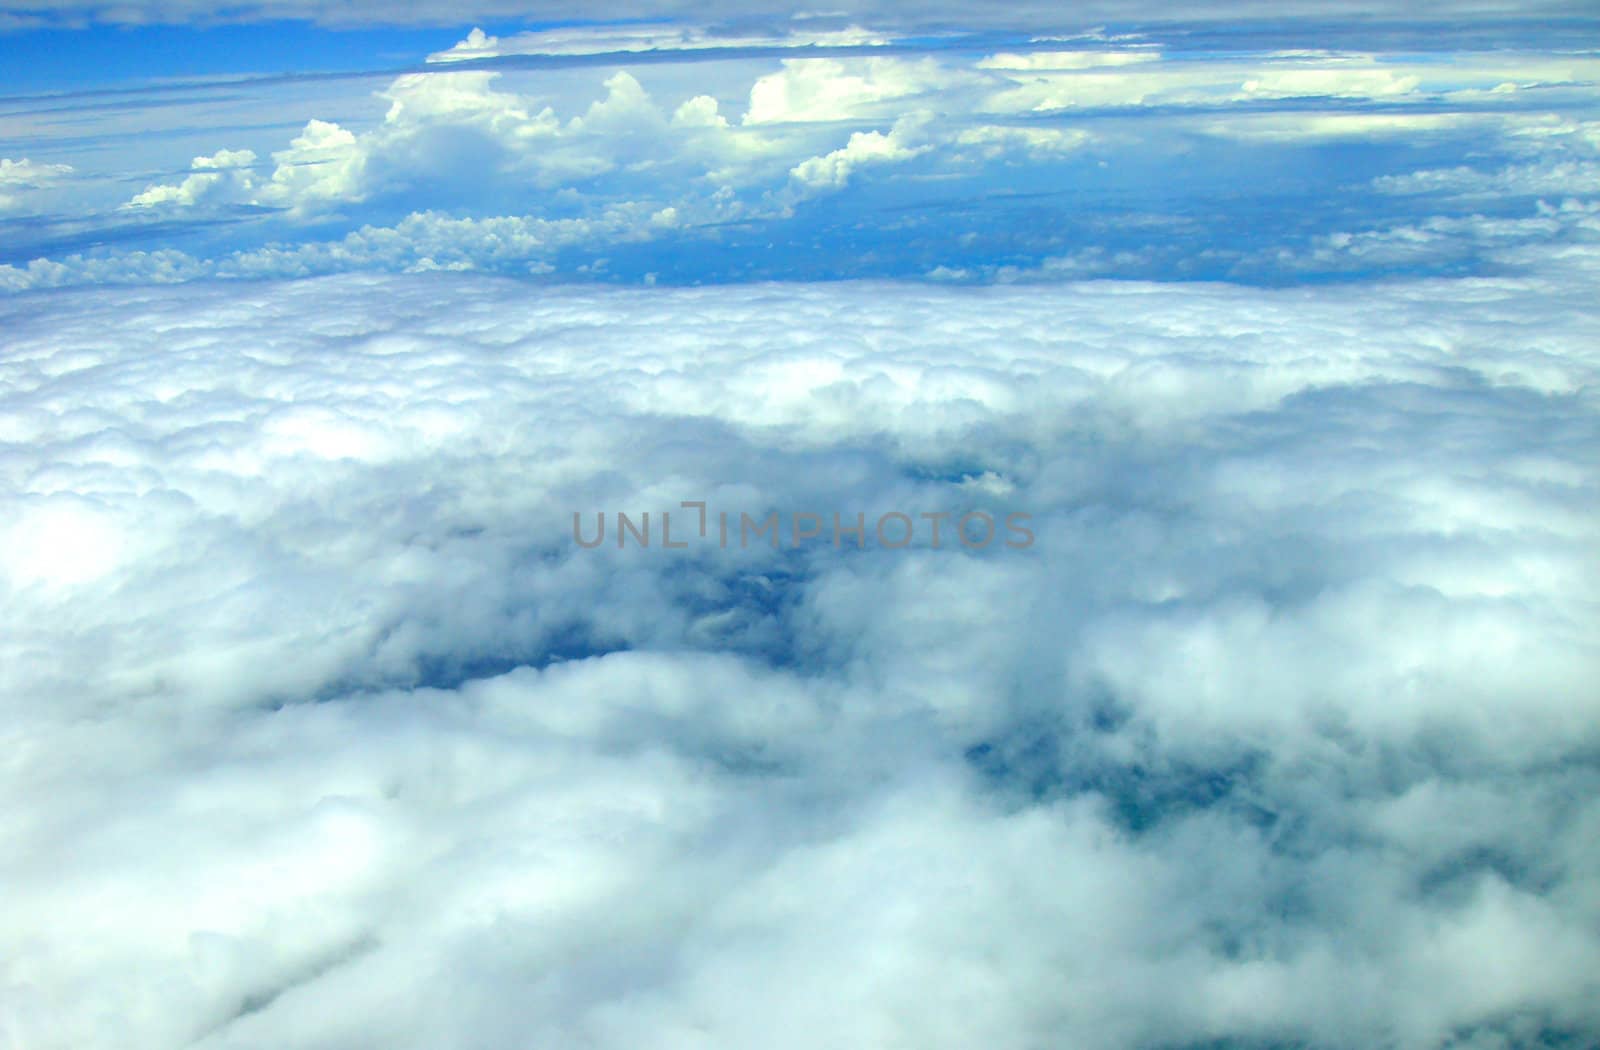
321 729
441 131
833 170
819 89
421 241
19 178
323 164
225 175
457 137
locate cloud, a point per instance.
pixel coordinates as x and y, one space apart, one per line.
819 89
1335 126
225 175
1068 60
1557 178
19 179
323 164
1140 76
25 173
992 140
833 170
1451 238
321 729
441 131
421 241
1331 83
666 36
456 138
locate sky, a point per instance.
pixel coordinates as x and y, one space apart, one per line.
814 148
1172 431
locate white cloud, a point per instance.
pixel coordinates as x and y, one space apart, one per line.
223 176
20 178
457 135
1144 77
1568 178
699 112
1063 60
629 39
865 148
992 140
421 241
27 173
320 730
324 163
440 129
1440 239
1292 127
820 89
1040 89
1335 83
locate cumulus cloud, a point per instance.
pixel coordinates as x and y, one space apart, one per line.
831 90
421 241
18 178
834 169
440 130
449 138
223 175
322 730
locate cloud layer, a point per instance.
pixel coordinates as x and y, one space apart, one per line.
320 730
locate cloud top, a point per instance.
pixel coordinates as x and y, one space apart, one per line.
322 729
